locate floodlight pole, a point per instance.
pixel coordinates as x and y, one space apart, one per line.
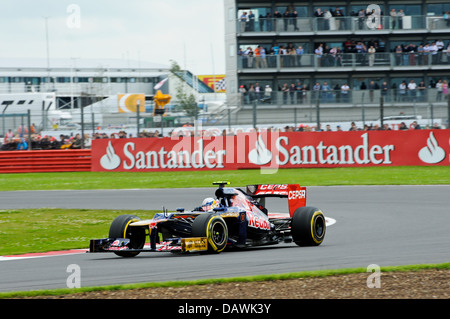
138 104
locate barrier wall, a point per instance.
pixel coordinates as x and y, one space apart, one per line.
274 150
242 151
45 161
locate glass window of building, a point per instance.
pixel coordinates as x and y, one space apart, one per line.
408 9
438 8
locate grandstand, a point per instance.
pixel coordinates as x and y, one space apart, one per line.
306 51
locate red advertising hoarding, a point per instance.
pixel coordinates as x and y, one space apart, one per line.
274 150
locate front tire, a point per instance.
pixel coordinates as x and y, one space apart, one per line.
308 226
214 228
120 229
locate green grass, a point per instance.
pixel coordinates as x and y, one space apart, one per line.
287 276
75 227
402 175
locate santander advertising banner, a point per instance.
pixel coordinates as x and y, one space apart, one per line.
274 150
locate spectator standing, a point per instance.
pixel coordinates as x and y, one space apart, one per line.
339 17
434 53
250 57
320 22
385 91
420 54
445 89
400 16
326 92
319 53
447 18
440 48
286 19
345 92
258 91
251 93
448 53
371 53
268 21
261 21
402 91
412 86
330 23
394 92
421 92
263 57
244 96
243 21
300 52
316 91
371 90
299 89
292 57
361 19
285 92
426 53
412 53
251 21
294 16
393 15
439 90
268 94
292 90
277 16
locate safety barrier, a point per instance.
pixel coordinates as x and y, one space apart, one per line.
273 150
45 161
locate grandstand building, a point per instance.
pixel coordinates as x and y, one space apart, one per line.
94 84
79 77
320 46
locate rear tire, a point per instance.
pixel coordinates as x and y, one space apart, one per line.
120 229
308 226
214 228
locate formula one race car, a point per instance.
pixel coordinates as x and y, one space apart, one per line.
233 219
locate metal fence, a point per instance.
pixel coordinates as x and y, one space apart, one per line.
347 24
350 61
313 109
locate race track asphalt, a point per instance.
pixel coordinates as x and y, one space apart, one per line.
383 225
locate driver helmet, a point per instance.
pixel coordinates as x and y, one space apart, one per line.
209 204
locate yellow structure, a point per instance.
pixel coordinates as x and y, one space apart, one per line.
161 100
128 103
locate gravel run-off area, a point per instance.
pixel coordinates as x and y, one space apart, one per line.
424 284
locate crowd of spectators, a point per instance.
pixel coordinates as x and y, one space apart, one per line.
20 142
329 55
298 93
326 19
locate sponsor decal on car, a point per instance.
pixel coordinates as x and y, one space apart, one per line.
194 244
255 220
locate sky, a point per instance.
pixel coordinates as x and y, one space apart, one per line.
189 32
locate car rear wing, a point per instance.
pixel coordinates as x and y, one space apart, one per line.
295 194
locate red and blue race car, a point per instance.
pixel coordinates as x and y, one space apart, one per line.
233 218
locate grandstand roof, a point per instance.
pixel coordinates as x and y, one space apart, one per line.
79 63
